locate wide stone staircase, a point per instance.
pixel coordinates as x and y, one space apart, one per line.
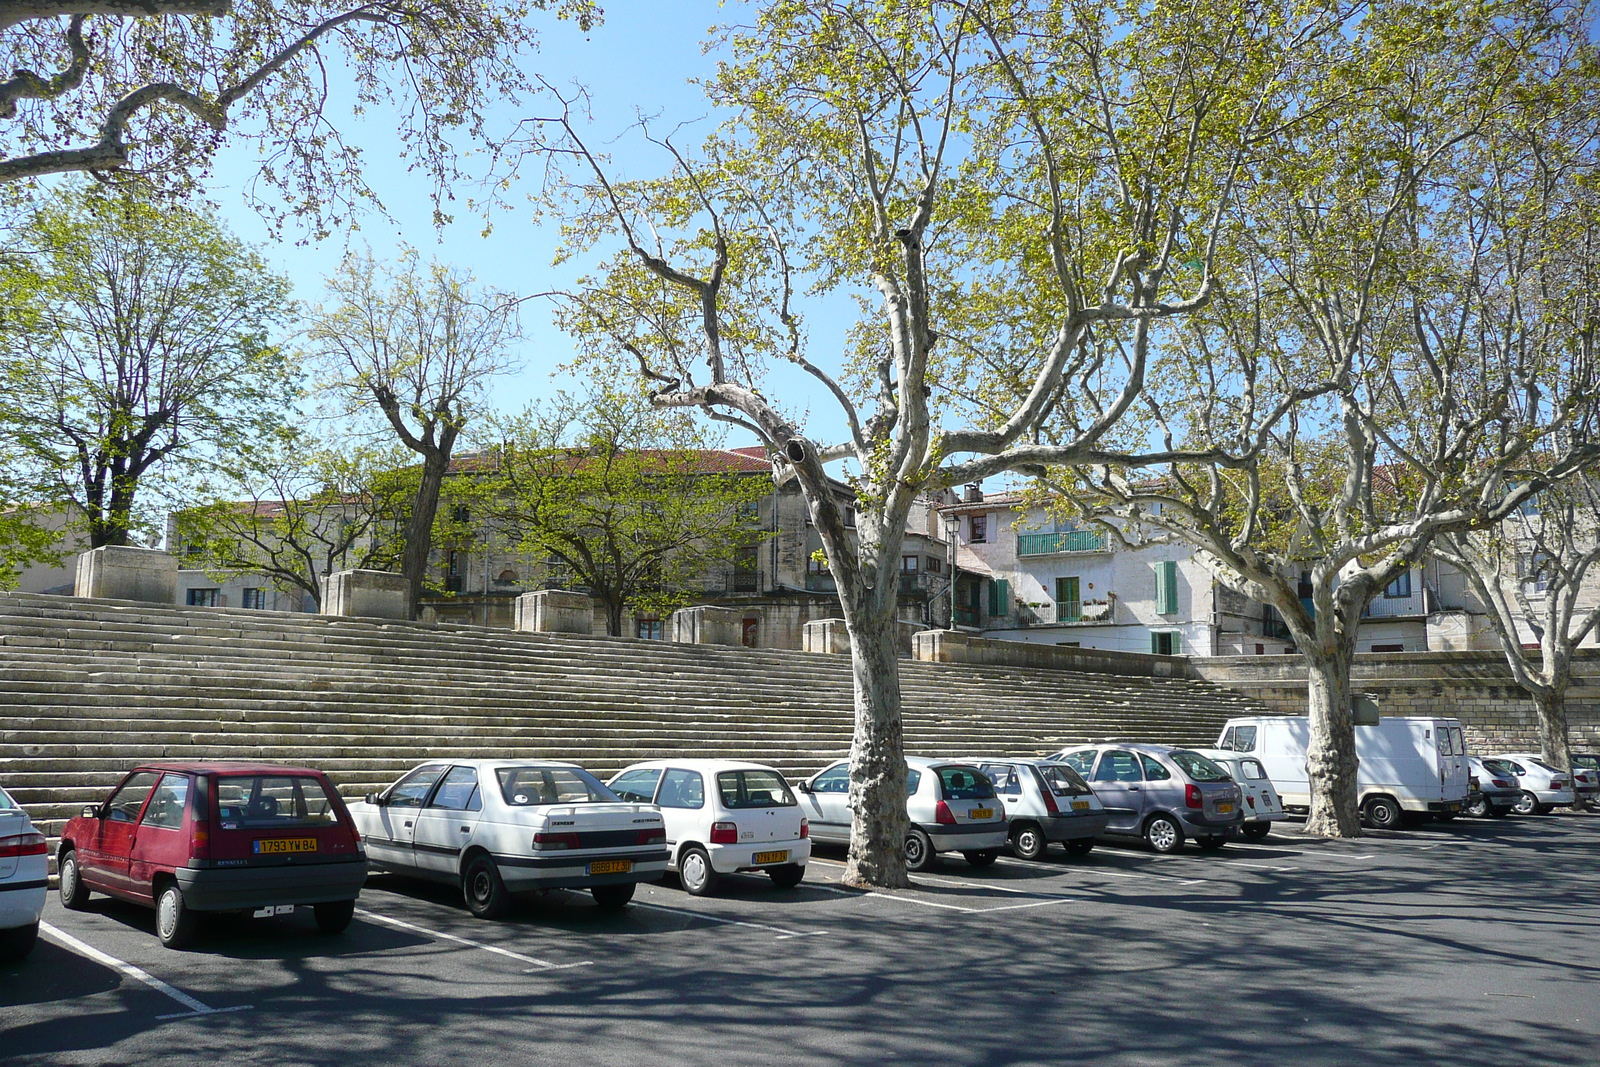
90 687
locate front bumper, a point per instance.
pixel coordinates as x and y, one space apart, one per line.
729 859
248 888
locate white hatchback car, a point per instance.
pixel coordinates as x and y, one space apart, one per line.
1543 786
1262 805
723 817
500 827
1045 801
952 806
23 863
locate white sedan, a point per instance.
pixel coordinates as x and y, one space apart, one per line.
502 827
23 863
723 817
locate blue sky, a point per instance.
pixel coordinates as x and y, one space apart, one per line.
641 58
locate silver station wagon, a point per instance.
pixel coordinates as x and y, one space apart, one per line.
1046 802
1160 793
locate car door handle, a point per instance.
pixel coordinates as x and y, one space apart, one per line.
466 829
408 825
1133 789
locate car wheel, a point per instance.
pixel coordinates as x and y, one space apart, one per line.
613 897
17 942
74 894
1478 808
1210 842
1162 834
982 857
1080 847
484 889
1028 841
1381 813
919 850
1526 804
696 873
334 916
788 876
1592 804
175 923
1256 831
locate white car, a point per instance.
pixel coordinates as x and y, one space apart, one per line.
502 827
1262 806
952 806
23 863
723 817
1045 802
1543 786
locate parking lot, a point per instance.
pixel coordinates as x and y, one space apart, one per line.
1447 944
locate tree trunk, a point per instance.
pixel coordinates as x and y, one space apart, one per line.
419 528
878 822
614 616
1550 704
1331 756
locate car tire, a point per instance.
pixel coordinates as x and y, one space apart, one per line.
484 890
17 942
1210 842
1028 841
788 876
613 897
982 857
1079 847
1256 831
175 923
1382 813
1163 834
1526 804
919 850
1478 808
333 916
74 894
696 873
1592 804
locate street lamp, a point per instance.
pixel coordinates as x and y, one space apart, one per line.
952 525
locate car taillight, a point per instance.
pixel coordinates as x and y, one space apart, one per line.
200 841
1501 783
1049 802
1191 796
1558 783
1250 801
805 826
555 841
29 844
724 833
943 815
657 836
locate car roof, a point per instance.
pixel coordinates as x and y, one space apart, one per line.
221 767
1013 760
702 763
1223 753
481 764
1133 746
923 763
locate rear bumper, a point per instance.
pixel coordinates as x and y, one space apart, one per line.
22 899
1073 827
240 888
1210 824
1446 807
528 874
1554 796
727 859
967 838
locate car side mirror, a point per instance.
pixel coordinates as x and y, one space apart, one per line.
90 811
375 799
804 787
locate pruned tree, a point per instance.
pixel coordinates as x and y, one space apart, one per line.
154 87
142 353
294 508
1389 363
1014 182
411 350
635 504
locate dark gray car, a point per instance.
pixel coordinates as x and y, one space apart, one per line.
1160 793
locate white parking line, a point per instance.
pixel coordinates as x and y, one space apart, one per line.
195 1007
545 965
786 934
1257 866
1031 904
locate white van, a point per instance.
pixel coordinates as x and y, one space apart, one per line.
1407 764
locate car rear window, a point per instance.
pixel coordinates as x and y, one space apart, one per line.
269 801
523 786
5 800
1500 766
965 783
753 789
1197 767
1586 761
1252 770
1064 781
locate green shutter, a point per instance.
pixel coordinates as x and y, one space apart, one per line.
1167 587
999 598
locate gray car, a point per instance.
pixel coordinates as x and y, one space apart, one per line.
1160 793
1046 801
1494 792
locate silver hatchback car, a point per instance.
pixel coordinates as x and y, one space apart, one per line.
1047 801
1160 793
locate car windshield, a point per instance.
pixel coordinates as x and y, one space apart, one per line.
753 789
1063 780
523 786
965 783
1197 767
263 801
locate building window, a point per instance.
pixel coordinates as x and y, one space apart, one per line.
1536 569
979 529
1400 587
908 564
1167 587
747 571
650 630
507 577
1069 602
194 551
255 598
816 566
934 565
1165 643
1388 648
748 511
203 598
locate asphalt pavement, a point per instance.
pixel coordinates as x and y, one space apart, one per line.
1467 942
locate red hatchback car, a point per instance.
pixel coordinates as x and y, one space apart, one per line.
211 837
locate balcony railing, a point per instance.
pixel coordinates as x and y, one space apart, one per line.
1048 544
1083 611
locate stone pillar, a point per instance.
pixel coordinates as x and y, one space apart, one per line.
366 594
555 611
825 635
117 572
705 625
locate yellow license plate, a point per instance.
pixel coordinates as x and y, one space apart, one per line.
981 813
272 845
1080 805
1224 808
610 866
772 857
